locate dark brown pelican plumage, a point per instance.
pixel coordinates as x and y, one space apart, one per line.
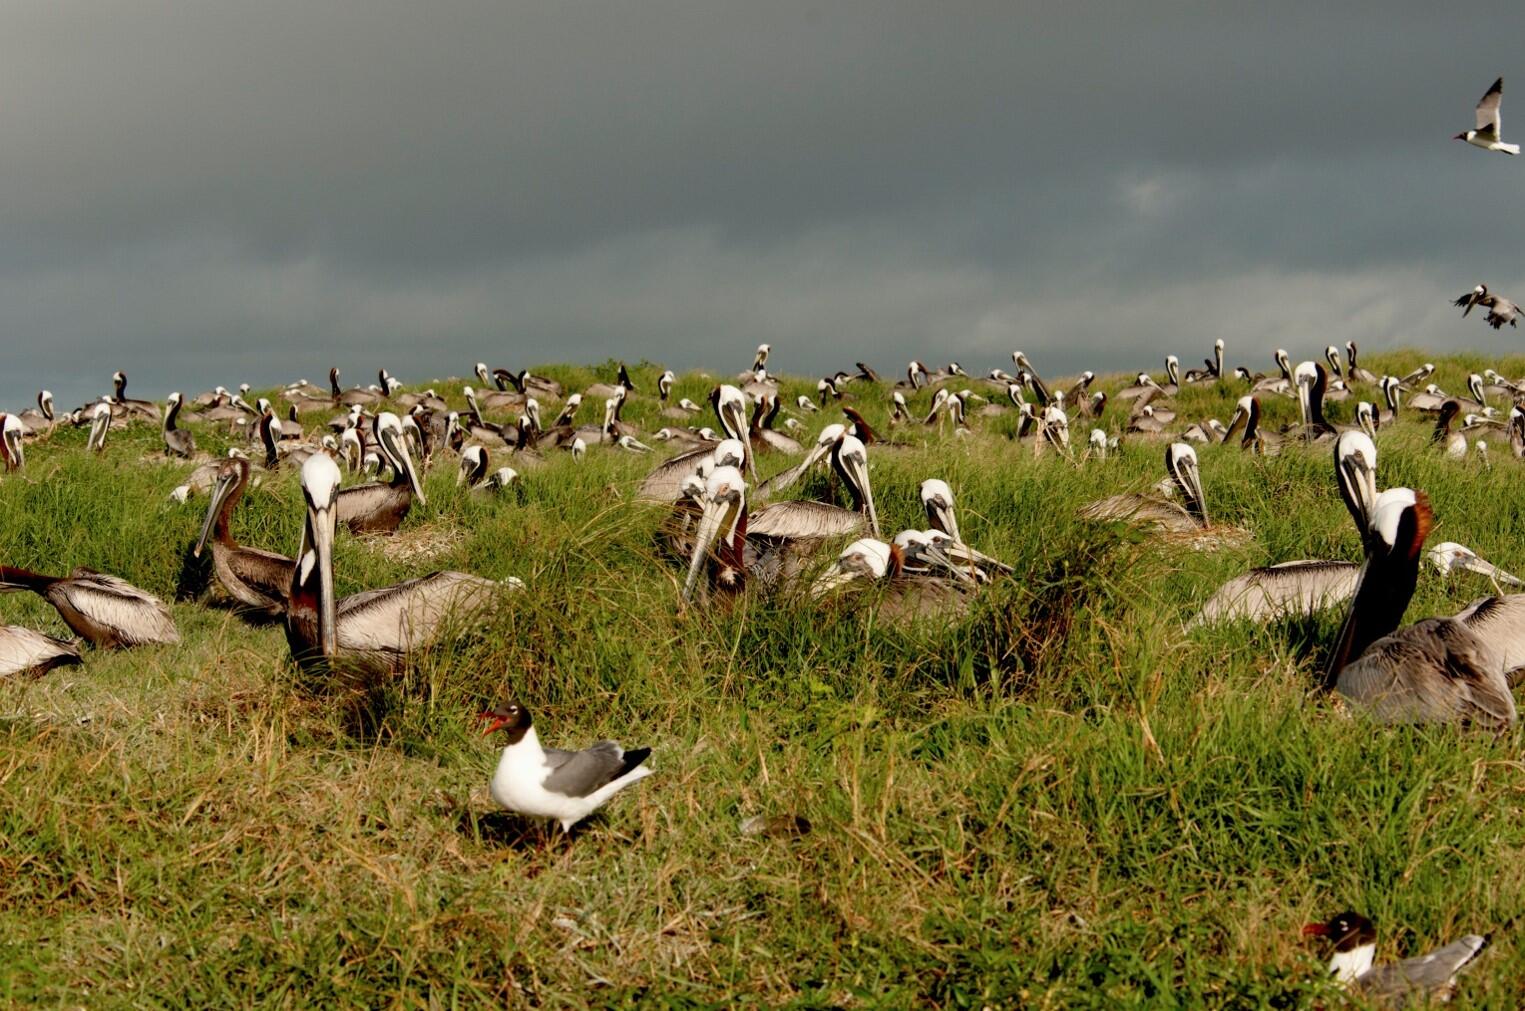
29 653
257 579
177 441
355 395
1439 670
374 631
380 507
125 407
109 612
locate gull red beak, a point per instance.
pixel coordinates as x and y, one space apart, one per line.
1316 930
494 722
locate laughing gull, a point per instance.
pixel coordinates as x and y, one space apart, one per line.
550 783
1489 125
1419 979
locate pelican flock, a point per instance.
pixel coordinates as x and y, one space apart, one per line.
832 498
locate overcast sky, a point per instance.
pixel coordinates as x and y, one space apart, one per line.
209 192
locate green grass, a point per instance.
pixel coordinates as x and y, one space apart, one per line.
1060 799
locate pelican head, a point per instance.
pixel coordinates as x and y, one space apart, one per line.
1355 469
232 476
723 503
849 458
389 436
100 422
1181 464
313 578
10 442
937 500
473 466
867 558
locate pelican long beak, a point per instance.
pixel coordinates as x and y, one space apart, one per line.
220 492
402 460
13 447
1191 486
719 514
1360 489
1241 416
1304 404
323 520
856 468
941 516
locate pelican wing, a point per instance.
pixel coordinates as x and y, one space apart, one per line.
1423 974
1488 118
1433 671
1278 591
264 571
23 651
412 614
804 519
665 483
581 773
129 615
1499 621
1141 510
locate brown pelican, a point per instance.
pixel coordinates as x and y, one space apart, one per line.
177 441
1448 556
39 419
124 407
1031 379
1410 982
474 471
1213 367
23 651
100 423
937 501
1354 373
355 395
1435 671
917 580
777 538
374 630
380 507
1256 440
259 580
1181 465
11 450
110 612
1305 587
761 358
603 391
1454 443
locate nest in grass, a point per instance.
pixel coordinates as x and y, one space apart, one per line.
415 544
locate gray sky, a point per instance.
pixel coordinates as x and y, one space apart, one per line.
225 192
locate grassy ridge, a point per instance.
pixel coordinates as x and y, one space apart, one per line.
1061 799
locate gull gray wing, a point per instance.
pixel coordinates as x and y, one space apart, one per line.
1488 118
1431 974
580 773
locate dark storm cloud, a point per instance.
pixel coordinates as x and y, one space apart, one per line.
215 192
